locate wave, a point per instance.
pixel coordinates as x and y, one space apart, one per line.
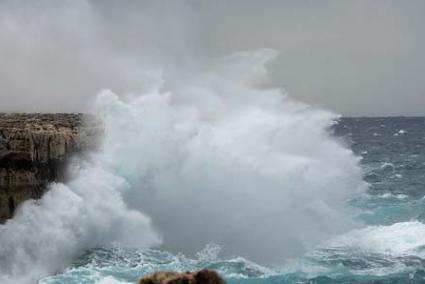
211 156
396 240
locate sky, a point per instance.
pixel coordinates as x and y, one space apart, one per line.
354 57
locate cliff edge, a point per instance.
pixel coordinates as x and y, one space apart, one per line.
34 149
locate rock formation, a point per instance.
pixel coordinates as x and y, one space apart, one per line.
34 149
205 276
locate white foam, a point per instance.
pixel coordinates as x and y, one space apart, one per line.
227 162
45 236
398 176
111 280
387 166
390 195
399 239
214 158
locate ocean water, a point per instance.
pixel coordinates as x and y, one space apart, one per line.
388 247
211 168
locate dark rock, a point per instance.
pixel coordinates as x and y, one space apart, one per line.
205 276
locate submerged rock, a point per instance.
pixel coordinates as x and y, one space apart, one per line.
34 149
205 276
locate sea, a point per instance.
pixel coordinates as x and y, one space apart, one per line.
387 247
217 169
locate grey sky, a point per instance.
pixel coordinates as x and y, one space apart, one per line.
354 57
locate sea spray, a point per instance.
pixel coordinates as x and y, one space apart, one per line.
216 156
45 235
211 156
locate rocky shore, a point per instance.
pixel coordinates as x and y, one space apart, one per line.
34 150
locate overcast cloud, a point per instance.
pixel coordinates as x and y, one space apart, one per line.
354 57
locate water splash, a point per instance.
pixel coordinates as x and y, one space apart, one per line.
46 235
215 158
209 157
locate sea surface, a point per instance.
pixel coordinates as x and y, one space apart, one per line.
389 246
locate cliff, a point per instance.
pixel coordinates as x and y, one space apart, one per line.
34 149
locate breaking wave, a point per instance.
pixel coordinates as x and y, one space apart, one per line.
211 156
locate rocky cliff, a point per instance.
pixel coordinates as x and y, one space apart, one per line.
34 149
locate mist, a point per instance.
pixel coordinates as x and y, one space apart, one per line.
354 57
214 160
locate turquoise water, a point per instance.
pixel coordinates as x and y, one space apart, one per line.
389 246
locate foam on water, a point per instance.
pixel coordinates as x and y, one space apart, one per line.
396 240
110 280
44 236
128 265
208 156
356 255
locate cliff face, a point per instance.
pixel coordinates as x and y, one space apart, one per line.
34 149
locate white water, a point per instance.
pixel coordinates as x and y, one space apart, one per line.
45 236
207 157
396 240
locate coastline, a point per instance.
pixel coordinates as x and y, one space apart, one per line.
34 151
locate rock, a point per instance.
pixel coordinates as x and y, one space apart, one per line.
34 149
205 276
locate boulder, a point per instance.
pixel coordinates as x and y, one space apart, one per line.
205 276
